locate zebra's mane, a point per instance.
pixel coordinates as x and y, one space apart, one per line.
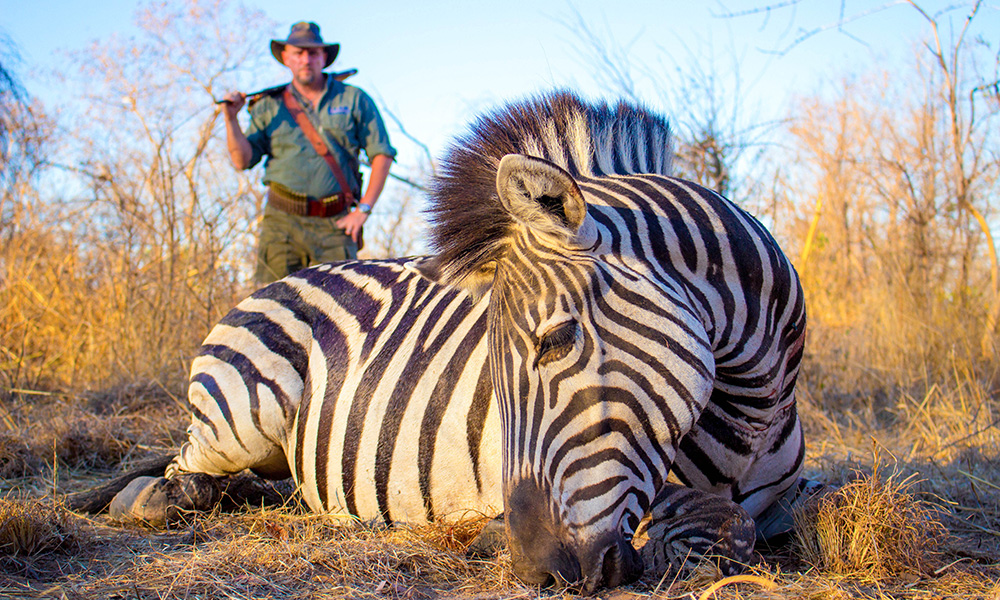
468 222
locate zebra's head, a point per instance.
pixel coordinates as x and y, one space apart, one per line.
597 365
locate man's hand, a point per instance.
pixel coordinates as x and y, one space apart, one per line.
232 104
352 223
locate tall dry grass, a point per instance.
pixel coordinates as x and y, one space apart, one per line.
73 319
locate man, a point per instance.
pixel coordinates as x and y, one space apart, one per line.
309 217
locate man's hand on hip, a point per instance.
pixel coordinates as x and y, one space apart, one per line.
352 223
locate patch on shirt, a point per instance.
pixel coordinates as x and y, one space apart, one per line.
339 110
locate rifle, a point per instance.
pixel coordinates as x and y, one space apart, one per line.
255 96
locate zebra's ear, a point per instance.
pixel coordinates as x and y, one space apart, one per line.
540 195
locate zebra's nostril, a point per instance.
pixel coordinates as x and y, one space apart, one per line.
614 563
538 551
565 571
611 567
621 565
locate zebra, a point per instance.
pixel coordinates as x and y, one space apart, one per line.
593 342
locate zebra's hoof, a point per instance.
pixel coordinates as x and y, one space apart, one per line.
157 501
690 530
726 547
490 541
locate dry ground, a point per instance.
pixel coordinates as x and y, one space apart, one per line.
919 517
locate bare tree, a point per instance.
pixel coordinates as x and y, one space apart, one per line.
12 95
941 151
23 130
148 230
399 228
718 139
968 161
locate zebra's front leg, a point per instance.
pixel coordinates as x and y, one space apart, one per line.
689 526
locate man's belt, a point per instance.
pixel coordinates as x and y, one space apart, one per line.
305 206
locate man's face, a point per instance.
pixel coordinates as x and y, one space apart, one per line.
306 64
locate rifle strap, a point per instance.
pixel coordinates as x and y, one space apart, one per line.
300 116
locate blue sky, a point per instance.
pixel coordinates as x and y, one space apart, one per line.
436 64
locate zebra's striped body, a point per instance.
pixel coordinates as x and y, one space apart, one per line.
587 324
375 386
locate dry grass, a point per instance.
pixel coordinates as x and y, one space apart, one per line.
77 313
16 457
930 529
32 527
282 552
80 436
871 530
276 553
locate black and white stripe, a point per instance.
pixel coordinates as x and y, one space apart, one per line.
359 380
586 324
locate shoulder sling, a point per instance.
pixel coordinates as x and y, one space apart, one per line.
292 104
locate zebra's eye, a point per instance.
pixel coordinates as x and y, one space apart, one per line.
556 343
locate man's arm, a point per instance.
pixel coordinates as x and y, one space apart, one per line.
376 181
240 152
352 223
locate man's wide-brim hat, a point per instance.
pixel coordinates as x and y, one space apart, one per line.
305 35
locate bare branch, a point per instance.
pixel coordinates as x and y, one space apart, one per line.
426 150
613 66
766 9
814 31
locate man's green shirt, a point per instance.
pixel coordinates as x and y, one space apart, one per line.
348 120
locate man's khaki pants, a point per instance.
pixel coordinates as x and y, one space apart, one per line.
288 243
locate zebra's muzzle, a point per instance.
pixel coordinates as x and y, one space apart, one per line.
543 554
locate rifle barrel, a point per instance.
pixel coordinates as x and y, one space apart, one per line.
342 75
